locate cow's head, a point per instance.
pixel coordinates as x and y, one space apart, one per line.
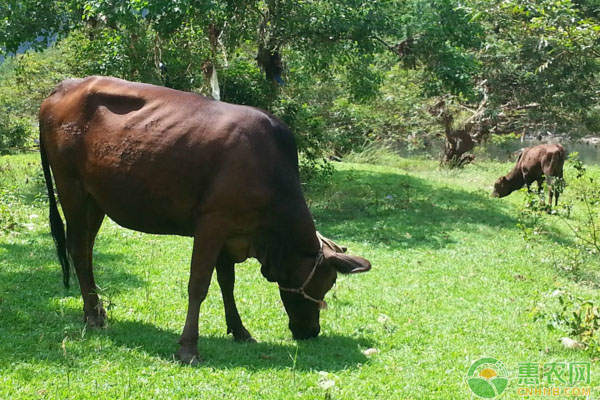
501 187
304 300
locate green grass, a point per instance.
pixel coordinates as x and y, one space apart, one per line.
452 281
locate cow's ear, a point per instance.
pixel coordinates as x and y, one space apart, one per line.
328 243
347 264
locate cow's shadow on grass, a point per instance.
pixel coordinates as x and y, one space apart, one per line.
38 316
326 353
33 264
403 211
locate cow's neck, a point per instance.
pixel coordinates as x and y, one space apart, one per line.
299 229
292 237
515 179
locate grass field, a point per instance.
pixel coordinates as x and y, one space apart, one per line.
453 280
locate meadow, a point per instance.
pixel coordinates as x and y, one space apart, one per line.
457 275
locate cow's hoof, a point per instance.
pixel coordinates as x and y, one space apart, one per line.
188 357
245 339
242 335
95 322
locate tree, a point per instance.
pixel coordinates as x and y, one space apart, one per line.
327 66
34 21
541 64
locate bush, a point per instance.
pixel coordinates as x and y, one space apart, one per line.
8 217
25 81
15 132
242 82
308 127
574 316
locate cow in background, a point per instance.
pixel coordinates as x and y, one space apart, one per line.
533 165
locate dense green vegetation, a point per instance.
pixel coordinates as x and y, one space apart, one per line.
341 74
456 275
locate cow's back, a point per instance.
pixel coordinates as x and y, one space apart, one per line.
545 159
155 158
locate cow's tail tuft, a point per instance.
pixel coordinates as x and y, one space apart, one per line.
56 224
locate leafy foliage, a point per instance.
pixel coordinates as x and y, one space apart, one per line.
577 317
14 132
446 38
585 226
24 82
34 21
343 74
540 58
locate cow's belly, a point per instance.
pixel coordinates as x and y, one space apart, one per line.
142 202
158 203
239 247
141 185
134 210
144 219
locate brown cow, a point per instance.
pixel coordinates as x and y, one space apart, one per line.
534 163
163 161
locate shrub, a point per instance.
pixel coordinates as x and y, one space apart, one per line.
15 132
576 317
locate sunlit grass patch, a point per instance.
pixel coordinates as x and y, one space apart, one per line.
453 280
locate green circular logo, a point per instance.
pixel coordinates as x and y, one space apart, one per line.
487 378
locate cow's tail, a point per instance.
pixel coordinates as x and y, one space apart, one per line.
56 224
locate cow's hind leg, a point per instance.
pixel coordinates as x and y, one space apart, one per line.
550 186
208 241
540 186
84 218
226 278
555 185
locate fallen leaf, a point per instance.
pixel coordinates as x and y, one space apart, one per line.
382 319
327 384
572 344
370 351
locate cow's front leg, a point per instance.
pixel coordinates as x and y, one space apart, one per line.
207 245
226 278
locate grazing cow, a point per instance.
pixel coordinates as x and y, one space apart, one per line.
532 165
162 161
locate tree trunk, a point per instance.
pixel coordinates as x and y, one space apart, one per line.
458 143
457 148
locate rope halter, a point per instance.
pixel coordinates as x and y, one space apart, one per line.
318 260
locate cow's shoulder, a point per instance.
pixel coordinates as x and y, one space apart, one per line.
277 129
65 86
108 87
